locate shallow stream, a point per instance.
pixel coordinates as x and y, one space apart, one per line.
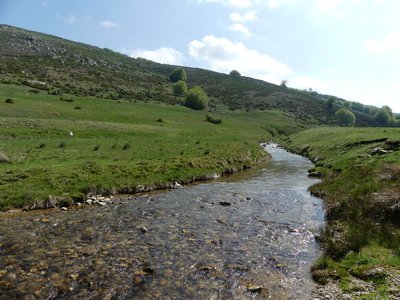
249 236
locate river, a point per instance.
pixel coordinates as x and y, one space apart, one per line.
248 236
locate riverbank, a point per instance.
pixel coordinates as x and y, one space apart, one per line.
58 150
248 236
360 168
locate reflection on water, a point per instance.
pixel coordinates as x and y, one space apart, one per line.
250 236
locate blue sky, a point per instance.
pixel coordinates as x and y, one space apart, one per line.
348 48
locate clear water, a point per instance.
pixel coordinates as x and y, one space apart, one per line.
260 246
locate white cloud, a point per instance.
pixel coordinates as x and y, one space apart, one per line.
163 55
233 3
108 24
237 27
327 6
272 4
390 42
223 55
242 18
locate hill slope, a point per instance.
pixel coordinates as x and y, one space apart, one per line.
65 67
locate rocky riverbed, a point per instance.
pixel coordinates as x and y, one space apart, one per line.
250 236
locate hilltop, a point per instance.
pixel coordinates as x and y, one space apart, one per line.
64 67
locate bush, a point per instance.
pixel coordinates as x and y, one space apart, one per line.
66 99
180 88
178 74
97 147
213 120
78 107
160 120
235 73
126 146
382 116
9 100
196 98
345 117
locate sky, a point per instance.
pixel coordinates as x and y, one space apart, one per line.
346 48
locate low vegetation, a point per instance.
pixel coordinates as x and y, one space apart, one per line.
108 146
213 120
361 178
196 98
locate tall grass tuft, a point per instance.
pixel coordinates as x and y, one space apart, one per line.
4 158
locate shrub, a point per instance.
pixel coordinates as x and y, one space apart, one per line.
213 120
9 100
330 102
178 74
66 99
345 117
382 116
97 147
160 120
196 98
180 88
78 107
126 146
234 73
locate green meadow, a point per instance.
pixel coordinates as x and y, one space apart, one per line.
117 146
360 168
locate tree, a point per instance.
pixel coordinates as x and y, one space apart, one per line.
388 109
345 117
382 116
284 83
178 74
180 88
196 98
330 102
235 73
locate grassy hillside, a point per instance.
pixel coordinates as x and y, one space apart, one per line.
361 187
117 145
59 66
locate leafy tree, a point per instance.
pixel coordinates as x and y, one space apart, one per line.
196 98
235 73
345 117
330 102
284 83
382 116
388 109
393 122
178 74
180 88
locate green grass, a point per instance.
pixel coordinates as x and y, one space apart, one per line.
360 190
117 146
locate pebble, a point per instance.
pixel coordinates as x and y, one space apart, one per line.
64 208
254 288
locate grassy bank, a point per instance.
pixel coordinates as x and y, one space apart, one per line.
361 188
116 145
